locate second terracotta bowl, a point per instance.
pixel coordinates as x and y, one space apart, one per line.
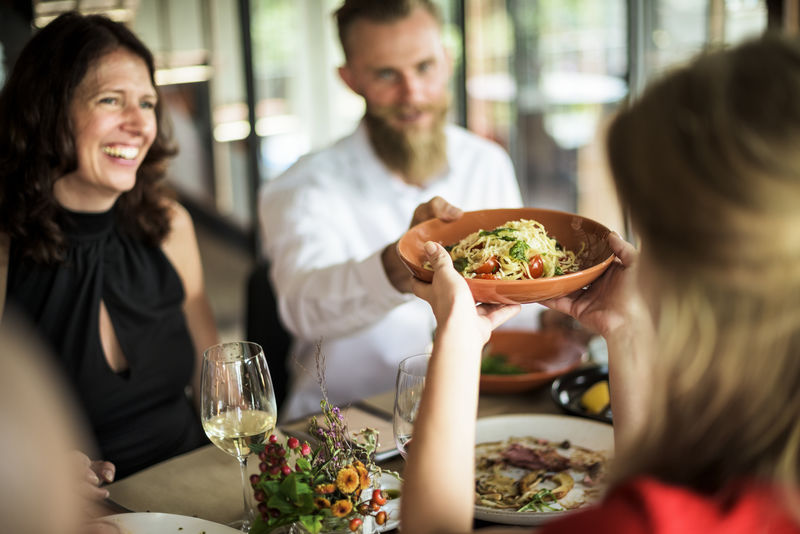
543 355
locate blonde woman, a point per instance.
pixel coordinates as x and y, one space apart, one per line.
703 324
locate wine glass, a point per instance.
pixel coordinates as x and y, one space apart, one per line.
237 405
408 393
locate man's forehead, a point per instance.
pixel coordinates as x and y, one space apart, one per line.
403 43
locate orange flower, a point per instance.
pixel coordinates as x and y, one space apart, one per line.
324 489
347 479
363 475
322 502
341 508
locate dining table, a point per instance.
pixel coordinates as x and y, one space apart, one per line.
206 482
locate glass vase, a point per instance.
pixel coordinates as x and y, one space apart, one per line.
331 527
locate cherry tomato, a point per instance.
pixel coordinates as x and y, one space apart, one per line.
378 497
490 266
487 276
536 266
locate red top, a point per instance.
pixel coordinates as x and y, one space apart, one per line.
646 506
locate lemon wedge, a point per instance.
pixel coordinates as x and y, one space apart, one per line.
596 398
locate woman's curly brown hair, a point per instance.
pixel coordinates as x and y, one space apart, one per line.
37 144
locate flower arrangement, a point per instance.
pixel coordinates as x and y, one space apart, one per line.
328 486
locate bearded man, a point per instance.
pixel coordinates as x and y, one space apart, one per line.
331 222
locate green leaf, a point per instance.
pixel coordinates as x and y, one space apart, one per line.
304 464
257 447
460 264
558 270
281 504
313 523
270 487
259 527
518 251
293 488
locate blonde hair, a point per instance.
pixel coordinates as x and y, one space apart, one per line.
708 164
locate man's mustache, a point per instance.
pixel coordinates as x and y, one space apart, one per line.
393 110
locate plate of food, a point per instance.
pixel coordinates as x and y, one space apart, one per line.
158 523
514 255
530 469
520 360
584 392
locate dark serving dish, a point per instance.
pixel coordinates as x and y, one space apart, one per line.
567 389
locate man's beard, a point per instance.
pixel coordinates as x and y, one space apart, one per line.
417 154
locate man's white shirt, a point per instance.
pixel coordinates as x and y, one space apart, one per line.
324 224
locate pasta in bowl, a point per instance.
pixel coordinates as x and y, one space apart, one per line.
574 245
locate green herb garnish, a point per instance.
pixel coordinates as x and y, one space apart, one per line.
539 502
518 251
460 264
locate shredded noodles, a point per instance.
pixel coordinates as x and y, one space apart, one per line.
508 252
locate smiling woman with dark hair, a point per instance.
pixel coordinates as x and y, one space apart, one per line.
101 260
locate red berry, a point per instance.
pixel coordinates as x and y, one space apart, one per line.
363 508
293 443
273 438
274 470
298 468
274 512
355 523
262 456
286 470
374 506
378 497
305 450
260 496
262 467
255 479
274 460
262 507
380 518
281 451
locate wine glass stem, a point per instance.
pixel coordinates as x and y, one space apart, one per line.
248 512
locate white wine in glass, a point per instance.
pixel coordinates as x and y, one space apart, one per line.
238 405
408 392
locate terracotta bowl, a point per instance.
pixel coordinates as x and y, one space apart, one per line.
544 354
569 229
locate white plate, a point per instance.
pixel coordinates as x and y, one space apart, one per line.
583 432
158 523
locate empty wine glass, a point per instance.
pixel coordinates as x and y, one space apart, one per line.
408 393
237 405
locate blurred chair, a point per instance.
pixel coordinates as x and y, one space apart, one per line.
263 326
